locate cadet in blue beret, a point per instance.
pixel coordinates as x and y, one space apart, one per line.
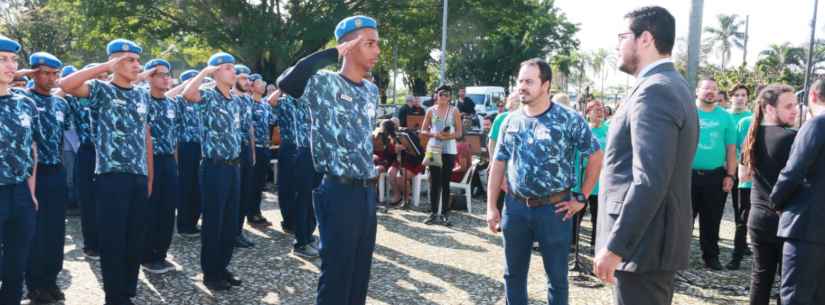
19 126
264 119
165 124
342 106
67 70
241 89
124 163
189 159
221 113
46 260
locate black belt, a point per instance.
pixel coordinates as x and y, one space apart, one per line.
164 155
231 162
708 172
535 202
48 168
353 181
87 145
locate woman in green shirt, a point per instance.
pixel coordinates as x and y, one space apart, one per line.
595 114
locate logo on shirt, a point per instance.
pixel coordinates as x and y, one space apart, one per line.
542 133
141 108
170 114
119 102
25 120
59 116
345 97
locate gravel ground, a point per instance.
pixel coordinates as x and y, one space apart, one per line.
413 264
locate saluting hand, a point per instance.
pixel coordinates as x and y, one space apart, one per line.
27 72
274 98
112 63
209 70
345 48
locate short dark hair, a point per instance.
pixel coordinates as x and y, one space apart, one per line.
545 71
738 87
707 78
658 22
444 88
819 87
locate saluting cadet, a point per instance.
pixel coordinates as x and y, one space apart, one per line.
46 258
165 124
221 114
84 119
343 107
264 119
242 85
189 159
18 160
124 163
536 147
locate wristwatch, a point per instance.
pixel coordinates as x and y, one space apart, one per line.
579 197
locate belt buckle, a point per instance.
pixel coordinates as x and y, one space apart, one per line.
527 202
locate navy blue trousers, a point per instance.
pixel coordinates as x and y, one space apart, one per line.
247 188
802 269
122 205
220 186
347 222
306 179
46 258
160 222
189 208
262 157
85 181
17 221
287 154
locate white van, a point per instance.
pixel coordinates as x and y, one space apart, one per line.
486 98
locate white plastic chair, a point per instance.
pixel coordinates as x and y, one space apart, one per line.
466 185
274 163
419 185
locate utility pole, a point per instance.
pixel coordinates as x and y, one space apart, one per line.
443 58
810 65
694 41
747 36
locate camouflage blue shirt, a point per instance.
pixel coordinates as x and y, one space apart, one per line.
221 119
247 106
540 151
120 135
55 118
18 122
191 129
285 113
83 118
302 125
165 122
343 116
264 118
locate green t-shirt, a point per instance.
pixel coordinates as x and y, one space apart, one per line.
497 125
600 133
742 132
716 131
737 117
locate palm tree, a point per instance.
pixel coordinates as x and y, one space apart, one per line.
726 36
779 57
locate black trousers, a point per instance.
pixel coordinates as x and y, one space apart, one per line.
648 288
593 204
708 204
767 261
440 183
741 208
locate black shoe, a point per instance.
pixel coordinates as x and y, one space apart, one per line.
431 219
713 264
56 294
41 296
190 233
734 264
91 254
221 285
445 221
232 279
747 252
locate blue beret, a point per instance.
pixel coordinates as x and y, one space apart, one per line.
43 58
123 45
68 70
157 62
221 58
254 77
351 24
8 45
241 69
186 75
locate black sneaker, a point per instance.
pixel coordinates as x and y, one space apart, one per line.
713 264
306 251
232 279
445 221
157 267
41 296
734 264
220 285
56 293
431 219
91 254
190 233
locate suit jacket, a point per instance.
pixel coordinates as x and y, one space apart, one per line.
800 189
646 177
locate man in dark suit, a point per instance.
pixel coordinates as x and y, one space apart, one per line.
799 193
643 238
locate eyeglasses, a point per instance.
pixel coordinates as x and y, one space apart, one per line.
444 94
624 35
